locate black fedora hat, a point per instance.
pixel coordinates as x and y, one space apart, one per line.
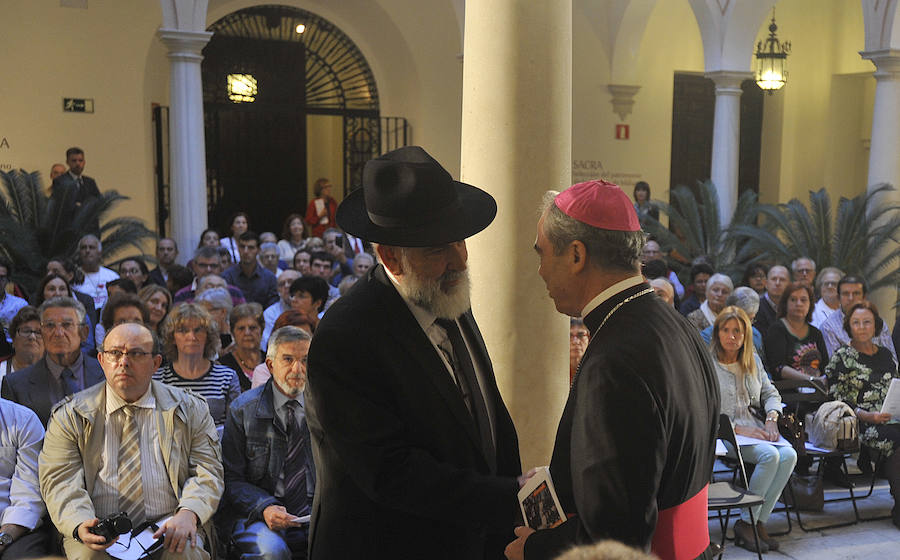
407 199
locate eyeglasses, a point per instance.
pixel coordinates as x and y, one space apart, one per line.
578 336
117 355
28 332
50 326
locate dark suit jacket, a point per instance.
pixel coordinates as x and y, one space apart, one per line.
65 192
28 386
638 431
156 277
399 471
254 445
765 316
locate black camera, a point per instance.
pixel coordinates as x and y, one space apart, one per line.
111 527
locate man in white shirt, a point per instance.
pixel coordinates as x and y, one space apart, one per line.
90 252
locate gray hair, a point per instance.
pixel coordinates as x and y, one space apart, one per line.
796 262
268 246
65 302
95 238
719 278
206 252
820 279
285 335
218 298
619 250
745 298
366 256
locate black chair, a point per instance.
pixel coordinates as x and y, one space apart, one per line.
726 496
801 402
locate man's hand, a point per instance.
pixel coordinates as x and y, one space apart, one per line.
277 518
90 540
516 549
179 530
522 479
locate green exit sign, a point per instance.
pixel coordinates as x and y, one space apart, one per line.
75 105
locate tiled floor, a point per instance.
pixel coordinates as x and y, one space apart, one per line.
868 540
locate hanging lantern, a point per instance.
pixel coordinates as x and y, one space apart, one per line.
770 56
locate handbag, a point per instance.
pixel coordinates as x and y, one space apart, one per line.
804 492
790 426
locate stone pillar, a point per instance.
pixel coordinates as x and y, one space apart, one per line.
884 163
726 139
516 144
186 136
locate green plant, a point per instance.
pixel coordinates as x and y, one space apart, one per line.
695 228
862 237
34 227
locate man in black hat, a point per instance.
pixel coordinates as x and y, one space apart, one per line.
415 452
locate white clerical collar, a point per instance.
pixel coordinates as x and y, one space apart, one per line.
610 292
424 317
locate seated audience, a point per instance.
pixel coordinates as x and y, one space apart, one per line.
829 302
135 269
859 374
190 341
579 336
653 252
268 237
206 263
755 277
272 312
776 281
308 296
695 294
27 344
255 282
301 261
362 262
322 265
794 348
97 458
72 275
90 253
158 301
743 383
21 508
119 286
246 322
209 238
293 237
718 288
803 271
64 370
851 290
9 304
267 498
664 290
289 318
55 285
225 259
268 258
166 253
747 299
217 303
240 223
121 308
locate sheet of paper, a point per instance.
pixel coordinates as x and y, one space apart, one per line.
892 399
745 440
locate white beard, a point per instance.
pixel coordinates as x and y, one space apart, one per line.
429 295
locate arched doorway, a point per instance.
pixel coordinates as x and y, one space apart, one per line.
286 94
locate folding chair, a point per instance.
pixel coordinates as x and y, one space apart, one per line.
725 496
794 399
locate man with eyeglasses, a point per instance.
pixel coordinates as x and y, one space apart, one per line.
206 262
132 445
271 314
851 289
268 498
64 370
9 304
803 271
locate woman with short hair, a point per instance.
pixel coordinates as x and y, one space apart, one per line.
718 288
27 343
247 324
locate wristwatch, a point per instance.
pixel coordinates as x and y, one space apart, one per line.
5 539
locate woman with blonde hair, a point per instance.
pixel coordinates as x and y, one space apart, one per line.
190 340
744 385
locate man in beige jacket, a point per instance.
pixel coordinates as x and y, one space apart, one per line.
181 476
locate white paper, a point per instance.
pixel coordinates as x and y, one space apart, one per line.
721 450
746 440
132 548
892 399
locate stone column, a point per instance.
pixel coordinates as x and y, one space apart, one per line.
186 136
884 163
726 139
516 144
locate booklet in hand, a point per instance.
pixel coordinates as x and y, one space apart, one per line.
539 503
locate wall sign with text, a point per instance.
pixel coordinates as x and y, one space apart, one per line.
77 105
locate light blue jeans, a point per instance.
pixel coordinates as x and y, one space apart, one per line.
774 464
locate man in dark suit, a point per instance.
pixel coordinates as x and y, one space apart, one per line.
415 452
636 443
72 189
64 369
166 253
